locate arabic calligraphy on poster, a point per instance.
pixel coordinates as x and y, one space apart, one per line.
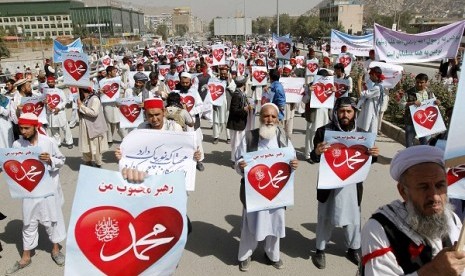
346 161
76 69
455 177
36 105
131 114
110 89
322 95
116 226
269 179
427 119
293 88
25 174
160 152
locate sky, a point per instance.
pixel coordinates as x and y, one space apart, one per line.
208 9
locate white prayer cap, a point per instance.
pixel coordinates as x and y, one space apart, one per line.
271 104
186 75
415 155
288 66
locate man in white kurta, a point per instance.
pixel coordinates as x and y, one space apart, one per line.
47 210
268 225
415 235
370 101
220 113
7 115
56 115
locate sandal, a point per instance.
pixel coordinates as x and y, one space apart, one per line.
17 267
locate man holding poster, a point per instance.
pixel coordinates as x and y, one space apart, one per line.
341 206
45 210
268 225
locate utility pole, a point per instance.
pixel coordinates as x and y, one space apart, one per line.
277 20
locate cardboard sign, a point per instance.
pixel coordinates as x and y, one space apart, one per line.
259 75
110 89
311 67
216 92
322 96
346 60
163 70
131 115
36 105
171 81
392 73
53 96
241 63
427 119
160 152
346 161
76 69
269 179
294 89
218 54
121 228
283 47
342 87
25 174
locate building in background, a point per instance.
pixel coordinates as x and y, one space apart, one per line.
349 13
185 22
38 20
112 20
153 21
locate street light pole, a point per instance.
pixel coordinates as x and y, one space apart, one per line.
98 26
245 28
277 20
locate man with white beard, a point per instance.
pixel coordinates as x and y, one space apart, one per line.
268 225
414 236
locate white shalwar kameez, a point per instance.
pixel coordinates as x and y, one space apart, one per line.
7 115
369 106
220 118
57 122
196 109
268 225
47 210
340 210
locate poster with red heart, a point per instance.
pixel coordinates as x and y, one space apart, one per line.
160 152
36 105
193 101
110 89
346 161
241 66
117 228
161 51
259 75
218 54
322 95
283 47
55 98
106 61
271 64
208 60
131 114
269 179
392 73
342 87
163 70
131 77
300 61
179 66
25 174
347 60
293 88
190 63
311 67
171 81
455 176
216 92
76 70
427 120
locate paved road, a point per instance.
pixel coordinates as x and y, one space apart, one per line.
215 211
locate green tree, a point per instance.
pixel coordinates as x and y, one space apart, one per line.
305 26
79 31
162 30
4 52
285 24
211 27
181 30
261 25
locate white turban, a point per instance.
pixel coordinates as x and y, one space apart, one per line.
186 75
411 156
271 104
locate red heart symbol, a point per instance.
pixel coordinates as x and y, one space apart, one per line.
119 244
455 174
241 67
131 112
33 108
271 64
27 174
75 69
73 89
341 89
345 60
218 54
172 84
284 47
161 50
164 71
312 67
300 61
170 55
189 101
215 91
110 89
345 161
323 91
269 181
259 75
180 68
152 52
191 64
53 100
426 118
106 61
209 60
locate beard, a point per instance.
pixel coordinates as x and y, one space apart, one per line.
31 137
433 226
267 131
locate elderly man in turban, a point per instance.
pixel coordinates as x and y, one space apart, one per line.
414 236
